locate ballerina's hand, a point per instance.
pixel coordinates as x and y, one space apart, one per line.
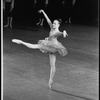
40 11
17 41
65 33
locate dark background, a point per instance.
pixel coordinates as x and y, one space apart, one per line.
85 12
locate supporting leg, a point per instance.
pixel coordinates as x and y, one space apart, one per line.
53 68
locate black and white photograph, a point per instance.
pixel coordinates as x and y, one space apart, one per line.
50 49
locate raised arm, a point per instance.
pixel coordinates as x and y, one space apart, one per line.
64 33
47 18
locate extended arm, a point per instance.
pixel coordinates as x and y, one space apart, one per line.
47 18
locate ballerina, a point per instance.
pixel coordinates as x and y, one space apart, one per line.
49 44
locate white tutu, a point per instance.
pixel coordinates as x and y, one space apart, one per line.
49 46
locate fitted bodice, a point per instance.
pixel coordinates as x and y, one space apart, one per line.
53 35
51 44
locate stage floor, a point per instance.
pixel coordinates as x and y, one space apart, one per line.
26 71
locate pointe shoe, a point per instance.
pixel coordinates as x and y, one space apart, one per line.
50 84
17 41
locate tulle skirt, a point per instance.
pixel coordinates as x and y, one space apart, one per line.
49 46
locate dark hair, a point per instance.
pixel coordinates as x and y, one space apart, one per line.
60 21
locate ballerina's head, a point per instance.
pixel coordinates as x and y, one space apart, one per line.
56 24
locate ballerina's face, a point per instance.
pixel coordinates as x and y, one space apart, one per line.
56 24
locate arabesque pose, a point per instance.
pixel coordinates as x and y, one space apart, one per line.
49 44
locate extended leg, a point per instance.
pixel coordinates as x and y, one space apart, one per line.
53 68
29 45
32 46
